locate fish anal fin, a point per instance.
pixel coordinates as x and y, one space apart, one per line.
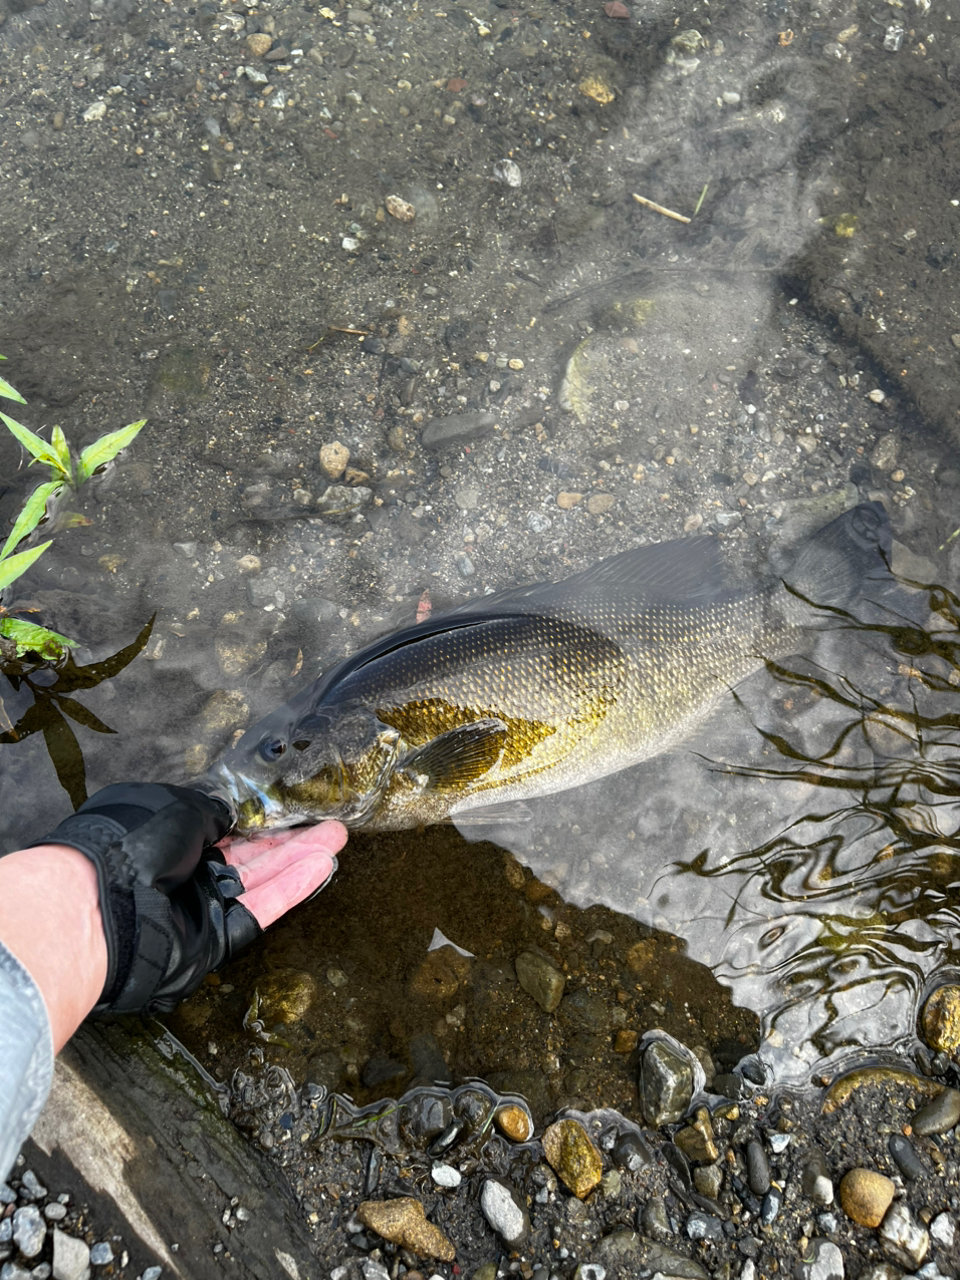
459 756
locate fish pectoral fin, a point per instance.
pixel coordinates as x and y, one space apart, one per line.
459 756
494 815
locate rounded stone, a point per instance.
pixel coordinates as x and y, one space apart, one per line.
285 995
259 44
598 504
939 1115
573 1157
514 1123
940 1020
865 1196
503 1210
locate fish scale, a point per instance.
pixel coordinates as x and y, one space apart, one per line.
540 688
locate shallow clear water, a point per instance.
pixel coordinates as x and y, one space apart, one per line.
647 378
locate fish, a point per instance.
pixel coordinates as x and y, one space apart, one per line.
540 688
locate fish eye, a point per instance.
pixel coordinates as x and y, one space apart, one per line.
271 749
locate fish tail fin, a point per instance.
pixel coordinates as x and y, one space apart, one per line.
846 561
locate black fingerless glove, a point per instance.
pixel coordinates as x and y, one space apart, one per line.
167 897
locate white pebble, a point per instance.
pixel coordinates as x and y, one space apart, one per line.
445 1175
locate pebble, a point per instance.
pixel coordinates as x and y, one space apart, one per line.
697 1141
71 1257
343 500
502 1208
508 172
54 1211
567 500
666 1084
905 1157
445 1175
96 111
940 1020
943 1230
822 1261
704 1226
537 522
457 428
771 1206
259 44
572 1156
400 209
404 1222
814 1181
865 1196
758 1170
599 504
29 1230
152 1273
514 1123
903 1239
334 457
939 1115
708 1179
31 1188
101 1254
540 979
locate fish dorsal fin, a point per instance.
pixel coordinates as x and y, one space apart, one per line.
459 756
686 571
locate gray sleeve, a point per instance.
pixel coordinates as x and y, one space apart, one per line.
26 1057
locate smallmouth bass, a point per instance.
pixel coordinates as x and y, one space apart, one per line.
540 688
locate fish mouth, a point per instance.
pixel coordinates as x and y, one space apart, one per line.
251 807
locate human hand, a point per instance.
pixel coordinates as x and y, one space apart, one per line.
169 900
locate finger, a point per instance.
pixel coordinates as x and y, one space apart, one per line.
270 900
262 857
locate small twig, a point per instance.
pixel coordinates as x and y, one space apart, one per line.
658 208
336 328
700 201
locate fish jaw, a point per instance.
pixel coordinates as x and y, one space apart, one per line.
252 806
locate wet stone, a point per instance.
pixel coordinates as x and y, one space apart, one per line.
342 500
943 1230
670 1262
630 1152
666 1084
814 1180
540 979
771 1206
865 1196
903 1239
71 1257
704 1226
504 1210
708 1180
758 1169
905 1157
939 1115
101 1254
822 1261
54 1211
456 429
29 1230
404 1222
31 1188
444 1175
697 1144
941 1019
572 1156
514 1123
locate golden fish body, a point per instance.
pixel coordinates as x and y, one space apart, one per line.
536 689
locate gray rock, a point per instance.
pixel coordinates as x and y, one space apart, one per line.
343 500
374 1270
71 1257
882 1271
666 1084
590 1271
101 1255
905 1157
943 1230
10 1271
704 1226
758 1170
152 1273
771 1206
503 1209
660 1257
31 1188
7 1194
814 1180
619 1250
29 1230
540 979
6 1230
457 427
823 1261
903 1239
939 1115
54 1211
444 1175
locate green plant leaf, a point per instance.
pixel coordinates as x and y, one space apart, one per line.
58 442
8 392
106 449
34 444
14 566
31 515
29 638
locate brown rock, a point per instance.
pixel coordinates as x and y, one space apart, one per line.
259 44
334 457
404 1222
625 1041
400 209
573 1157
566 499
514 1123
940 1020
599 504
865 1196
